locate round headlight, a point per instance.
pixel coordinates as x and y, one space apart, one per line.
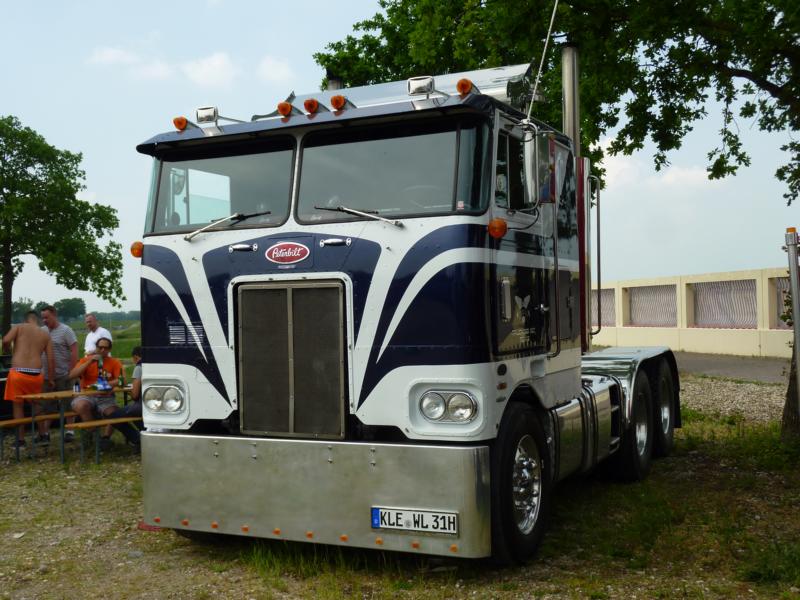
432 406
460 407
153 398
173 400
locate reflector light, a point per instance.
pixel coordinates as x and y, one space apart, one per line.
214 525
379 541
497 228
415 545
453 548
184 522
309 534
464 86
311 105
285 108
157 520
502 385
137 249
245 528
338 101
180 123
344 537
276 531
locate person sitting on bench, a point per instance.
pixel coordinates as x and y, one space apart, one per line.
132 408
98 365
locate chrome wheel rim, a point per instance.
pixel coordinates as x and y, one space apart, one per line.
666 413
526 482
641 428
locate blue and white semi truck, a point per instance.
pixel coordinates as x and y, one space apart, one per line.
366 322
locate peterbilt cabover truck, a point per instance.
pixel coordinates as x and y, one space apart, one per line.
366 321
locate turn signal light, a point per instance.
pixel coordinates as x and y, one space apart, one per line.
137 249
497 228
464 86
338 101
285 108
791 230
311 105
180 123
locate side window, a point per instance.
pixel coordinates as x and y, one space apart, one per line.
510 173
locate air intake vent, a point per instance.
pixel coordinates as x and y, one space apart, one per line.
291 359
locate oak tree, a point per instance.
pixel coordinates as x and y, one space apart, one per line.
41 216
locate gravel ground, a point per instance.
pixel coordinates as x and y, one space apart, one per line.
758 402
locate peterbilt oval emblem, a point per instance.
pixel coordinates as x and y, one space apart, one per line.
287 253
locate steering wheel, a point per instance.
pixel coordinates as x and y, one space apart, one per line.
415 192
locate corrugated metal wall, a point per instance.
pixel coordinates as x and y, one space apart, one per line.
653 306
725 304
608 317
782 291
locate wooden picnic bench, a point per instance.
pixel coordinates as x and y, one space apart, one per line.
6 424
95 425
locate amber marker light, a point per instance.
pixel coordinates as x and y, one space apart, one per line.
415 545
344 537
137 249
214 525
464 86
245 528
379 541
453 548
285 109
309 534
180 123
157 519
791 230
497 228
311 105
338 101
184 522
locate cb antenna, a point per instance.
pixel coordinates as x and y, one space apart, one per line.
541 62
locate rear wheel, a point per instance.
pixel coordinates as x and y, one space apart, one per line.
521 485
664 413
635 454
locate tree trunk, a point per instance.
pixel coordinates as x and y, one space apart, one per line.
790 424
7 270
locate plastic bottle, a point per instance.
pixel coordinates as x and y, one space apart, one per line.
76 387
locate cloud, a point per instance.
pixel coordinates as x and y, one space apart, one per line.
107 55
274 70
87 196
684 177
216 70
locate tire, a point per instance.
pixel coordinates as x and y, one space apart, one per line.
521 484
636 451
663 411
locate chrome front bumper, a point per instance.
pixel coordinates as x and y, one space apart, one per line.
322 492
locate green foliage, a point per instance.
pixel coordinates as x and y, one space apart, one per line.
41 216
70 308
652 66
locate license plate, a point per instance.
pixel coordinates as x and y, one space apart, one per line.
415 520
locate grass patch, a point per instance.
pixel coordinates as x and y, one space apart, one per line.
776 562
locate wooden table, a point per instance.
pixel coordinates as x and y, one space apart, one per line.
69 395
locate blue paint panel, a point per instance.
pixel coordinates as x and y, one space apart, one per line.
357 261
376 518
445 324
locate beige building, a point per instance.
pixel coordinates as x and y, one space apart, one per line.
720 313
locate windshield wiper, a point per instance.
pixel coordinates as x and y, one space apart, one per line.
234 217
359 213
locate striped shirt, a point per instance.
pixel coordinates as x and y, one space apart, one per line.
62 338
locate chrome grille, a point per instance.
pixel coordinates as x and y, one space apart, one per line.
291 359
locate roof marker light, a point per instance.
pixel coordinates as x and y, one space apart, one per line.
285 109
137 249
311 105
338 102
180 123
464 86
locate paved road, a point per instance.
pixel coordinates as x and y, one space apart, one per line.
770 370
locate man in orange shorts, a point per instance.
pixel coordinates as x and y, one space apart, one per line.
26 376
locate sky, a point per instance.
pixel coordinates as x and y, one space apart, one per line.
100 77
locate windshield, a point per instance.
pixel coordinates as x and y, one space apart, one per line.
399 169
204 186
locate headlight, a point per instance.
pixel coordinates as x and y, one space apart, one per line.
461 408
432 406
154 398
173 400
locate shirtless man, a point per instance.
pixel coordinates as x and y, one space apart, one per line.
26 376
